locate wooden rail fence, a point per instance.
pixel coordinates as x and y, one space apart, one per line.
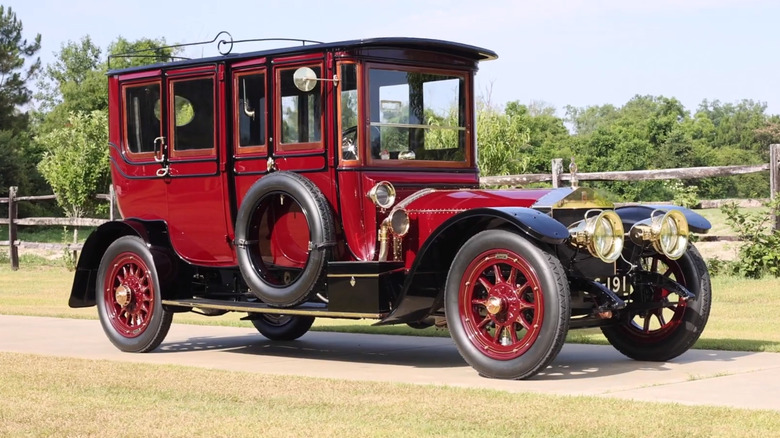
557 177
14 222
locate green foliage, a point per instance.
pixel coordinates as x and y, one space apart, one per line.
760 253
683 195
718 267
143 51
18 65
14 51
75 162
499 139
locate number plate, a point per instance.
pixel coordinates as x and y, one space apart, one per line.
616 283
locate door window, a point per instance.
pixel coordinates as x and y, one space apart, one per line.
192 115
299 112
250 112
142 118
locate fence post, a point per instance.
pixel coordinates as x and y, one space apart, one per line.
13 250
111 196
557 171
774 179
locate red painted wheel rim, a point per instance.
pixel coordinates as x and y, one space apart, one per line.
657 324
501 304
129 295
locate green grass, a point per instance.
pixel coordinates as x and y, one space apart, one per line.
743 318
49 396
46 234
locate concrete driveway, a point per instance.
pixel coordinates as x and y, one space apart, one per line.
737 379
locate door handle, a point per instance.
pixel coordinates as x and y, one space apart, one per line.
159 152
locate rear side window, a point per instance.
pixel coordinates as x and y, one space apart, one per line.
193 114
142 117
250 110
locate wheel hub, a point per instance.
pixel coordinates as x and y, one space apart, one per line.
123 295
503 304
494 305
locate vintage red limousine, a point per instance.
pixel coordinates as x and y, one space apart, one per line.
340 180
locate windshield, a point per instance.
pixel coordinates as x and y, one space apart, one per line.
417 115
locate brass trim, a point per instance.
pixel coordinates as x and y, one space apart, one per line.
249 308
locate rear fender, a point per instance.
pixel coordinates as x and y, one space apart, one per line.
82 293
423 290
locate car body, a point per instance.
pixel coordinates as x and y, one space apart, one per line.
340 180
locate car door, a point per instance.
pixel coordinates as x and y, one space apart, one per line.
194 165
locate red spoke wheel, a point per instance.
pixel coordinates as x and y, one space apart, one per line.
671 328
507 305
128 297
501 304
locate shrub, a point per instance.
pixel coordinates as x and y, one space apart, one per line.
760 252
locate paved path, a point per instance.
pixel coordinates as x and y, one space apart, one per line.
745 380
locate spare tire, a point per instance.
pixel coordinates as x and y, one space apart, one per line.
284 237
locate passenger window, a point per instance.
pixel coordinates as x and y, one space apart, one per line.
142 117
250 111
192 111
300 113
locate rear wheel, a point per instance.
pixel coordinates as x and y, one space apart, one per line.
671 328
128 297
282 327
507 305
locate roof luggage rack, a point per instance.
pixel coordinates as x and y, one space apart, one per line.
223 39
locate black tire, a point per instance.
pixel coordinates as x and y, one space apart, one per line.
261 281
523 340
282 327
679 324
128 297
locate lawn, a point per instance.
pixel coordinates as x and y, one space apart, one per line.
50 396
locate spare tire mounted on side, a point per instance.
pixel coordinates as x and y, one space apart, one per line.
284 235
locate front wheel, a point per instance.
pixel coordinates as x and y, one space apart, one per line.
282 327
128 297
670 329
507 305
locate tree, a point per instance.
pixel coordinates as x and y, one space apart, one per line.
14 50
17 66
75 161
499 141
143 51
75 81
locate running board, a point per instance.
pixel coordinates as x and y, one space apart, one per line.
310 309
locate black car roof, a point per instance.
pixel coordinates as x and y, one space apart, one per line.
449 47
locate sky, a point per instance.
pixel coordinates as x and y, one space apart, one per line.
559 52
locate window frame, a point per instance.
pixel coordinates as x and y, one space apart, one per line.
468 116
249 149
315 146
170 118
139 156
360 111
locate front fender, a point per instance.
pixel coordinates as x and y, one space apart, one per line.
634 213
423 289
